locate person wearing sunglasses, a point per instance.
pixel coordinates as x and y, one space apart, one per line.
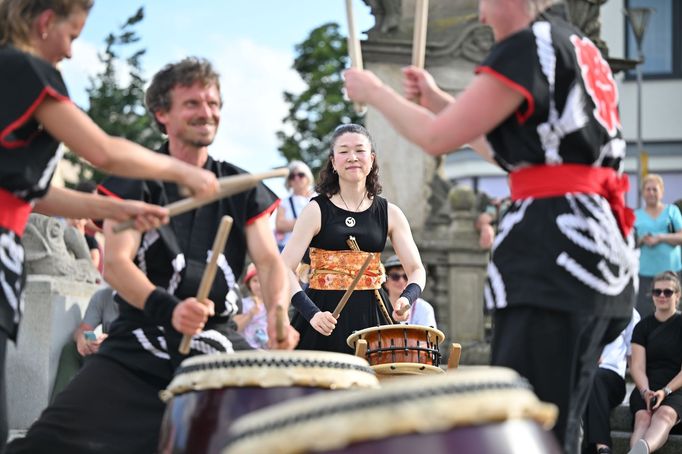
656 401
300 185
658 228
421 312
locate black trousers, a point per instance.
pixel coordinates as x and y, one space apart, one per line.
608 391
557 352
4 427
105 409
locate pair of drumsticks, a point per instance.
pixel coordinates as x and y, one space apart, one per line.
421 18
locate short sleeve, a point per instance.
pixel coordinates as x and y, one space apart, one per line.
94 313
675 217
639 334
514 63
25 81
261 202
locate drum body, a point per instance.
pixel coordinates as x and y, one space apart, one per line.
210 392
401 349
482 410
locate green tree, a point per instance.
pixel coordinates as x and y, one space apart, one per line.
119 108
314 113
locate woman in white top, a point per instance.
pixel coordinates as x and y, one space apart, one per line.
300 185
421 312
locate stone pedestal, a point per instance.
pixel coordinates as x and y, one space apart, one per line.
54 307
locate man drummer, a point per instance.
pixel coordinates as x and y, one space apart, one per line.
113 404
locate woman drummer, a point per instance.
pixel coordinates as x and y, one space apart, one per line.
348 206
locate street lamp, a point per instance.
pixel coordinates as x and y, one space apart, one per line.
638 18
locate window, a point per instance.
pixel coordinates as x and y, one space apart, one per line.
662 39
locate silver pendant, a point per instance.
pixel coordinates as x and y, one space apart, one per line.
350 221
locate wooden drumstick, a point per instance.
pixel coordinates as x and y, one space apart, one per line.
421 19
209 273
279 323
402 311
227 186
455 354
344 298
353 244
354 50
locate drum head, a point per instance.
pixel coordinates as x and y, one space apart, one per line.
436 336
475 396
270 369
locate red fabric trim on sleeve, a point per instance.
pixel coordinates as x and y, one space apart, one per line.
521 117
107 192
267 212
26 115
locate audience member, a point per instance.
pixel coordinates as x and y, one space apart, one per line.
252 322
659 234
421 312
101 310
300 185
608 391
656 401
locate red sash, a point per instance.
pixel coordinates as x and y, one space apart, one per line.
14 212
557 180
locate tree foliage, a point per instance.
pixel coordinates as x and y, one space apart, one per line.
116 106
320 108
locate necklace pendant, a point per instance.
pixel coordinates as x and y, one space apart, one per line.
350 221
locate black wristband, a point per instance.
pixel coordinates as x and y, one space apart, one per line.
159 307
412 292
304 305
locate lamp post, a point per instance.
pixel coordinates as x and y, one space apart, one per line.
638 18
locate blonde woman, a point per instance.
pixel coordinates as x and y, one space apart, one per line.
658 227
656 401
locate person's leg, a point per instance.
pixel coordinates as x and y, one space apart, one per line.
642 422
662 421
607 392
104 409
70 361
4 427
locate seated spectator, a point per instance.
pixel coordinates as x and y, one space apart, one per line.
656 401
88 227
421 312
101 310
252 323
608 391
300 185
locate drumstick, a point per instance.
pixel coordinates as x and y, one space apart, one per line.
455 354
209 273
421 18
227 186
353 244
279 323
344 298
354 50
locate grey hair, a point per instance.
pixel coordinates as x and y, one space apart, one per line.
300 166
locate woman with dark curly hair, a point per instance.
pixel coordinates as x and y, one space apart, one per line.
348 208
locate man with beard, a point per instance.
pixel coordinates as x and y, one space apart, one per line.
113 404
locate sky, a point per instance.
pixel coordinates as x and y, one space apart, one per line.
251 44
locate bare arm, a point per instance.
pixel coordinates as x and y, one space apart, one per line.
188 317
638 372
484 104
68 124
282 224
273 277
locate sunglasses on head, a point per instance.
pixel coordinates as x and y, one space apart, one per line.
296 175
667 292
397 276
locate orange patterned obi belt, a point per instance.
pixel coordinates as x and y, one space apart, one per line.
335 270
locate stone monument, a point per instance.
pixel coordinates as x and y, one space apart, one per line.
60 281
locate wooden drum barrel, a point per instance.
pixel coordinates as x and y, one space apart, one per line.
482 410
400 349
209 392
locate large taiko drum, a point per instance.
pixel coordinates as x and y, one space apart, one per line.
400 349
209 392
482 410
